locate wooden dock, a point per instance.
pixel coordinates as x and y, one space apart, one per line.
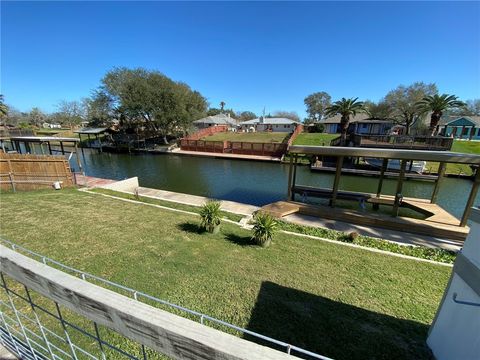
440 224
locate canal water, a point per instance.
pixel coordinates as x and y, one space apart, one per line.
256 183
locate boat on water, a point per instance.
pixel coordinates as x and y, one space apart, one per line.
394 165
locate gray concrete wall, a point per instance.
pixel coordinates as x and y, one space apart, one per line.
128 185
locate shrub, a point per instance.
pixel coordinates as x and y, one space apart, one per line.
264 227
211 215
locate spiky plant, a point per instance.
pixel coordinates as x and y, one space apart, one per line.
210 214
264 228
437 104
346 108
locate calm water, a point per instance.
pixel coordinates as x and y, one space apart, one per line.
256 183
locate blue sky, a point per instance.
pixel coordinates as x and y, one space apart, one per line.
249 55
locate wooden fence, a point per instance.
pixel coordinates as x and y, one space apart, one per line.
206 132
30 172
235 147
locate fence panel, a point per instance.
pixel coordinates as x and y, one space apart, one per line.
30 172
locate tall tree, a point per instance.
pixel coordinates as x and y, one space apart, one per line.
346 108
403 100
36 117
316 104
72 113
151 100
99 109
436 105
222 105
3 108
245 116
292 115
379 111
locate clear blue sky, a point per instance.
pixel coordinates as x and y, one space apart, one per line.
249 55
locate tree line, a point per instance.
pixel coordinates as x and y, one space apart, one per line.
404 105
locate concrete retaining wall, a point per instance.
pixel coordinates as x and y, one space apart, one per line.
124 185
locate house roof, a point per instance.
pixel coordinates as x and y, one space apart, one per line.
270 121
337 118
91 130
449 119
219 119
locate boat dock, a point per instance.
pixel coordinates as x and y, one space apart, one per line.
375 173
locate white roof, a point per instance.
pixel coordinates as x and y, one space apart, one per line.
219 119
270 121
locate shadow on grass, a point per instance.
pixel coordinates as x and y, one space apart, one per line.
191 227
239 240
332 328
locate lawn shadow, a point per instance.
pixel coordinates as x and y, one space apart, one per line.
332 328
239 240
191 227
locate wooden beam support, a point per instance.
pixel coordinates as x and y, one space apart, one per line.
471 199
290 177
336 181
294 175
441 173
398 192
79 164
380 182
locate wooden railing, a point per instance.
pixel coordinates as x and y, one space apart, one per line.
29 172
16 132
403 142
145 325
235 147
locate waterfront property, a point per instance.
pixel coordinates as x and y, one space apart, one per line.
463 127
269 124
300 290
216 120
359 124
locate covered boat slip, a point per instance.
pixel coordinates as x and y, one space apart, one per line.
437 222
48 145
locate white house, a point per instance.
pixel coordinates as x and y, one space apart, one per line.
46 125
269 124
215 120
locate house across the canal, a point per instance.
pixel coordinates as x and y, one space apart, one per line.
359 124
216 120
269 124
460 127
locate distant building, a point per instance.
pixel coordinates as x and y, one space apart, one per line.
215 120
46 125
359 124
460 127
269 124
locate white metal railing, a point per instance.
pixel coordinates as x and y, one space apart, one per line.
204 319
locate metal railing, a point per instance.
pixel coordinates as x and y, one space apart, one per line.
16 337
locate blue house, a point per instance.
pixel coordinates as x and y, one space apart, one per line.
460 127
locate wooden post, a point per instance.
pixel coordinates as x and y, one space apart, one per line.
441 173
290 177
12 181
336 181
471 199
380 182
49 147
61 147
294 176
99 143
398 193
78 160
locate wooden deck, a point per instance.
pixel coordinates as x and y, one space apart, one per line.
375 173
439 222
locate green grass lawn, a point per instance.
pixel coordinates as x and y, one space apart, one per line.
466 147
315 139
260 137
339 301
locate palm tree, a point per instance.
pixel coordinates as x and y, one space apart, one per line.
345 107
3 108
437 104
222 105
